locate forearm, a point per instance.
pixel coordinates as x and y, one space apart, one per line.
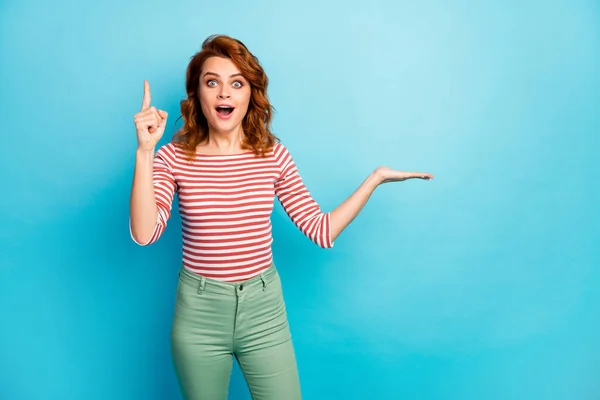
143 212
345 213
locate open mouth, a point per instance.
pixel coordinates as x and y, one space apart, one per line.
225 110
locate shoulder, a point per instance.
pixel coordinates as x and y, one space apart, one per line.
283 158
169 152
280 151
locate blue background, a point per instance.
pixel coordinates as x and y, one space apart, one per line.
480 284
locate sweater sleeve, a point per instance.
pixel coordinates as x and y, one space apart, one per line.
297 202
165 188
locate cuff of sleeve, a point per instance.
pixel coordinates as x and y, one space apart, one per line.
328 242
150 240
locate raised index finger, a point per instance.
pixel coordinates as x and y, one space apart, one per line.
147 98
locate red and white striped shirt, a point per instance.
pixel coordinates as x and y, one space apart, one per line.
226 202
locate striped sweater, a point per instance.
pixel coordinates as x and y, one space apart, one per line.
226 202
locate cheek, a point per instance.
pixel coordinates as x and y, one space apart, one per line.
244 102
205 105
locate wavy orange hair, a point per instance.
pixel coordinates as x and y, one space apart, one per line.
256 122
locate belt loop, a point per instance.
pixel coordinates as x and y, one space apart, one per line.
264 282
201 284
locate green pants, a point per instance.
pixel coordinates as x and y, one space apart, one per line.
215 321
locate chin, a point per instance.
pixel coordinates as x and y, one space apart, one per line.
226 126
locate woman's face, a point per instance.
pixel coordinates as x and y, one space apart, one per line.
224 94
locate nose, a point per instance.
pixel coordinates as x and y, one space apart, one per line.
223 94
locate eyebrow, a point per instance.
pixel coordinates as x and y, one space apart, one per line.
217 75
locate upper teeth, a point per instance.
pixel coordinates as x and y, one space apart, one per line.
224 107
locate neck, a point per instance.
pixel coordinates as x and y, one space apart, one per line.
224 142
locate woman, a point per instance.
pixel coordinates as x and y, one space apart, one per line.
227 168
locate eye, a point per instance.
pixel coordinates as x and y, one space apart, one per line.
211 83
237 84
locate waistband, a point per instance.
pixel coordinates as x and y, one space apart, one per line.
204 284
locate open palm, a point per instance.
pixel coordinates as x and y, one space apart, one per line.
387 174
